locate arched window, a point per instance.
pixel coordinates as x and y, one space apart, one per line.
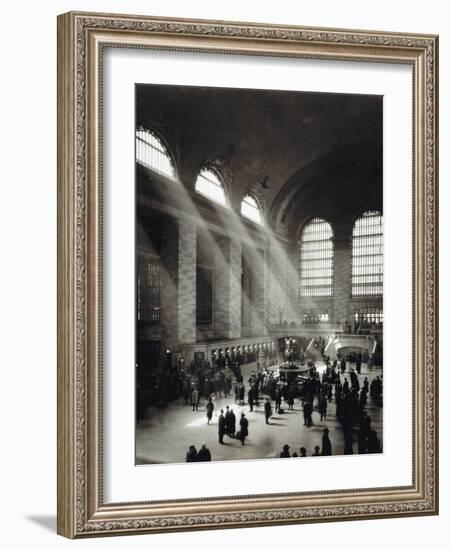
251 210
316 259
209 184
153 154
367 255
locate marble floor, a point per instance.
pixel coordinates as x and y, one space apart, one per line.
165 435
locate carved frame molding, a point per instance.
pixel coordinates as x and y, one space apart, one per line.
81 37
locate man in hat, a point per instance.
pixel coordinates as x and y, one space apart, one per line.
222 427
285 452
244 428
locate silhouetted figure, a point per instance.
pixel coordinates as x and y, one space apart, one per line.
373 443
267 410
348 436
285 452
243 432
209 409
290 399
250 399
192 455
326 443
221 426
323 406
316 451
278 397
195 399
207 388
204 454
307 413
346 387
230 421
302 452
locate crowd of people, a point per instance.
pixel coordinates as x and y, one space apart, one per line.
338 383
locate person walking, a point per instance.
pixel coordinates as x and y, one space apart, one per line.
230 419
267 410
207 388
323 406
243 428
290 400
250 398
195 399
278 397
221 426
209 410
307 413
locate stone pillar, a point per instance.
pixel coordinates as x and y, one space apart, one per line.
258 309
235 288
178 285
227 288
342 280
246 293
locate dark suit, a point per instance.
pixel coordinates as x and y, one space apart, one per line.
222 428
244 429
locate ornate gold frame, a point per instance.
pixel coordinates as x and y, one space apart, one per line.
81 37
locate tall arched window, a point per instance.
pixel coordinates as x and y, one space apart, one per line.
316 259
209 184
153 154
251 210
367 255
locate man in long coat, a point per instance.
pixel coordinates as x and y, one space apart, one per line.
222 427
243 428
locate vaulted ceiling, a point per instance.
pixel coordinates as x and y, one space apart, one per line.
298 150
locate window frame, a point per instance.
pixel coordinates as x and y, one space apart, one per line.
258 208
221 184
362 274
165 150
330 286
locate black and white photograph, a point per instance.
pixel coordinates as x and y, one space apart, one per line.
259 274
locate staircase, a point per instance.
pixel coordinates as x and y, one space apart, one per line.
350 342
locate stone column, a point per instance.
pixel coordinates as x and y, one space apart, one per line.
227 288
178 285
342 280
246 292
258 308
